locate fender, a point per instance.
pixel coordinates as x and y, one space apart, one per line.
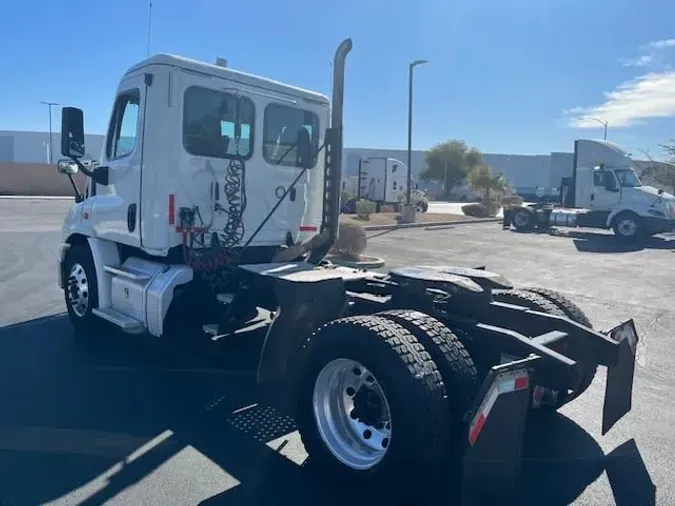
618 210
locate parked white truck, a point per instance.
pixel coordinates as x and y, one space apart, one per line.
193 220
604 191
383 180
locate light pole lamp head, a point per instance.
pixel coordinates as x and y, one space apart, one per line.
418 62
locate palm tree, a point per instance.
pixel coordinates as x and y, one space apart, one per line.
486 183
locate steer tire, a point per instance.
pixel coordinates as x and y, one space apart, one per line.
414 392
628 227
85 323
571 310
451 357
538 302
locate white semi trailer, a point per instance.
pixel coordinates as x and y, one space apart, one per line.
194 218
604 191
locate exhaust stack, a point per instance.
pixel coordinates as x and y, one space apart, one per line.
333 148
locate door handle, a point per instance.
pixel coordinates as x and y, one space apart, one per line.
592 196
292 194
131 217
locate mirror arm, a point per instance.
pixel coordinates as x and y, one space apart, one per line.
82 168
78 196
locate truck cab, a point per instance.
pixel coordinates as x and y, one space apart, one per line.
184 133
203 168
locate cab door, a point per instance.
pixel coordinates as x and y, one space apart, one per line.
605 193
281 123
115 207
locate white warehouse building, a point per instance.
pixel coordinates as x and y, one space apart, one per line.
525 172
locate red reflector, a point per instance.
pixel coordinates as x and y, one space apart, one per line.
172 209
473 435
308 228
522 383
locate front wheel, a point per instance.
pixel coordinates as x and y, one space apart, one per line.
371 407
81 288
628 226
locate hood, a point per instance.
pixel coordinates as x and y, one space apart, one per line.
655 192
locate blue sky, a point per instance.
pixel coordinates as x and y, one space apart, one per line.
508 76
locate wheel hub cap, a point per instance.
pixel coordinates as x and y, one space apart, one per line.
352 414
78 290
627 227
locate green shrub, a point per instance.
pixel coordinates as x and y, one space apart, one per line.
492 207
475 210
364 208
351 240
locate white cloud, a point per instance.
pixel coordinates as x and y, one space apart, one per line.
653 53
661 44
648 96
641 61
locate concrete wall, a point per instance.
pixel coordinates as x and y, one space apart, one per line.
33 147
525 172
36 179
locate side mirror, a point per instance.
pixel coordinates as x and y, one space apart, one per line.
72 132
67 167
304 157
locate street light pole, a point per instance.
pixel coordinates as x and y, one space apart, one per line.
603 123
51 151
411 66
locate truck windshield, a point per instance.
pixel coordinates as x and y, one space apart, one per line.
627 178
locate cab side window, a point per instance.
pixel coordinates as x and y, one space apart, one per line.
123 128
280 133
601 177
210 120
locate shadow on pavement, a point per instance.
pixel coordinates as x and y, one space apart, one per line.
590 242
560 459
102 418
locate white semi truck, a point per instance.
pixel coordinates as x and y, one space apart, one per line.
383 180
194 218
604 191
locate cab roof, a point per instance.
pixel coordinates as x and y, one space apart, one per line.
230 74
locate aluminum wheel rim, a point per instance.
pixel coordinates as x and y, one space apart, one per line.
521 219
352 414
627 227
78 290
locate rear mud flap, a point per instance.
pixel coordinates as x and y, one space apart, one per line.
619 388
493 456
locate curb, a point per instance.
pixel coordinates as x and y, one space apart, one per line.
36 197
430 225
375 264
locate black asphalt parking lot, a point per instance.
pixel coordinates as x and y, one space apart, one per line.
128 422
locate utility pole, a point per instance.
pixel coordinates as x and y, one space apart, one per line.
149 25
411 66
51 151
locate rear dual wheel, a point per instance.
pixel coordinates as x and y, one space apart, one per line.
373 406
554 303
